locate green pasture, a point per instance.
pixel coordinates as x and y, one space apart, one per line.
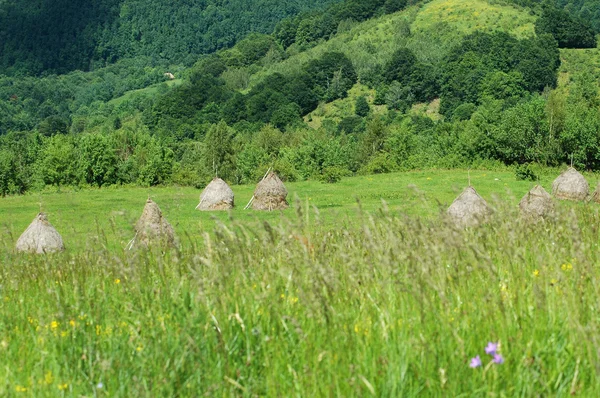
91 217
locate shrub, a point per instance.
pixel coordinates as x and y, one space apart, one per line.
524 172
332 174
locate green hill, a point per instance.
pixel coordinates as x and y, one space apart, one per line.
41 36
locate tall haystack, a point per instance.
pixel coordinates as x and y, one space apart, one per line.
216 196
153 228
536 203
469 209
570 185
40 237
270 194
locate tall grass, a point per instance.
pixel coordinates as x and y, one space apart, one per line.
387 305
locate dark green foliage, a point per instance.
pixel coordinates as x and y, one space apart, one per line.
351 124
401 66
497 65
524 172
361 106
464 111
331 76
310 27
39 35
568 31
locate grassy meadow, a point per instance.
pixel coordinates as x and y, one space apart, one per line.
333 297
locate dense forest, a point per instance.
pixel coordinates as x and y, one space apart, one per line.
250 106
41 36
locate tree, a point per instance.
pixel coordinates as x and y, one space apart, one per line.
569 32
361 106
332 75
400 66
98 160
219 150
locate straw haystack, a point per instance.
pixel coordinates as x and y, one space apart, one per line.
469 209
40 237
570 185
270 194
153 228
536 203
216 196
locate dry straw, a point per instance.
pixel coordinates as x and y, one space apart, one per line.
570 185
270 194
40 237
152 228
469 209
216 196
536 204
596 195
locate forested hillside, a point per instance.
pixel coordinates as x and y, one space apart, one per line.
359 87
59 36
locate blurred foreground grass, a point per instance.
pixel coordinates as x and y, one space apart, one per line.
341 303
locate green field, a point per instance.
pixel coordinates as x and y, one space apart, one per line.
381 300
88 218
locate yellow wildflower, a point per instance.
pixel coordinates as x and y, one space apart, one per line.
20 389
567 267
54 325
72 323
117 281
63 386
139 348
536 272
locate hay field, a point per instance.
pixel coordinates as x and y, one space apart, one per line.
384 301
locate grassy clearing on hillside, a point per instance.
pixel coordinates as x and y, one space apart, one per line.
145 92
467 16
430 31
307 305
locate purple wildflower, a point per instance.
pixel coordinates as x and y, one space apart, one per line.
498 359
475 362
491 348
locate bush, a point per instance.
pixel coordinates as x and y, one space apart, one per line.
380 164
524 172
332 174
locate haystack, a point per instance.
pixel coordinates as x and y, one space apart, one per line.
216 196
469 209
40 237
270 194
153 228
570 185
536 203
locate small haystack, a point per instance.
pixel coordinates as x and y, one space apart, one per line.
570 185
469 209
40 237
216 196
270 194
536 203
153 228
